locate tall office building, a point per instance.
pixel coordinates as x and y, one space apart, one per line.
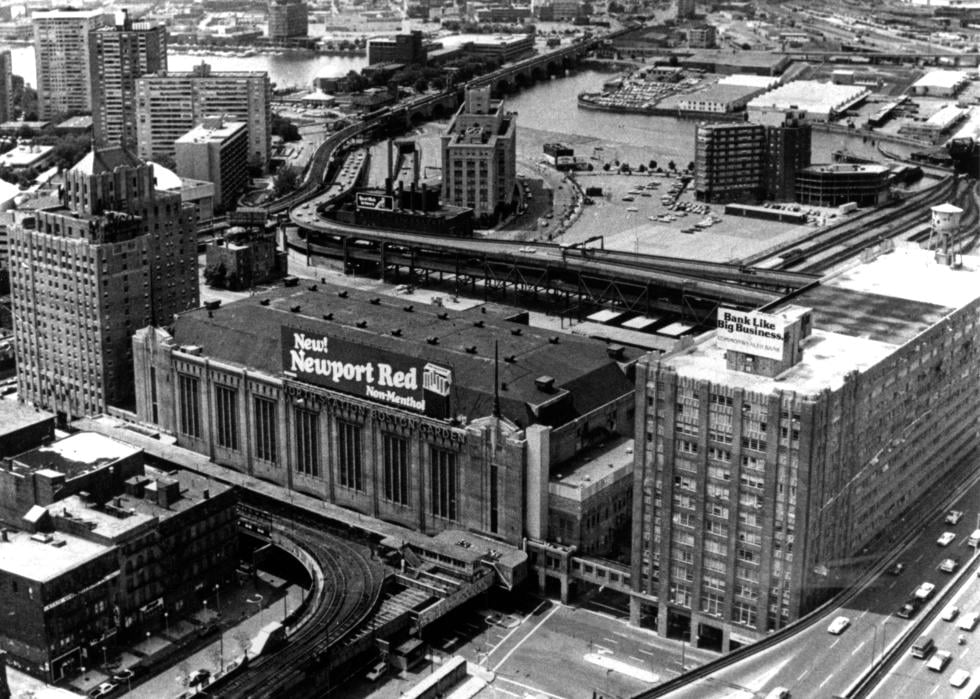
288 19
479 156
169 105
116 256
118 55
6 87
61 47
216 152
777 457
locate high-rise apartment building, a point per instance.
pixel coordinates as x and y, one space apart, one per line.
6 87
288 19
216 152
479 156
169 105
729 162
116 256
747 162
772 455
685 9
61 47
118 55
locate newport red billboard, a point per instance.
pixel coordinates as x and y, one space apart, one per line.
369 372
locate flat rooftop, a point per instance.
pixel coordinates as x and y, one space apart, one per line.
944 79
75 454
810 96
35 560
592 470
16 416
861 316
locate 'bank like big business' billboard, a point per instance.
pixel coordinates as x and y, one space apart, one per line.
372 373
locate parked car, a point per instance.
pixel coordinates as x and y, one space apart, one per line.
950 613
839 625
959 678
968 621
377 672
199 677
103 690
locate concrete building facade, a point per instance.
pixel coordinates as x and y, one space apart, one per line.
479 155
216 151
61 46
6 87
168 106
729 162
401 48
288 19
772 454
119 54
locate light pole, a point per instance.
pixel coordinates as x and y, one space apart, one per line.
217 598
105 661
166 622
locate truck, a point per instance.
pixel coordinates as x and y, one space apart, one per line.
974 539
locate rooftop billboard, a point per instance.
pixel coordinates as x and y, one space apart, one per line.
368 372
752 332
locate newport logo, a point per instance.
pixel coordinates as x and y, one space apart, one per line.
302 342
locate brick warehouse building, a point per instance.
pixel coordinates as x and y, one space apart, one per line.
772 453
415 443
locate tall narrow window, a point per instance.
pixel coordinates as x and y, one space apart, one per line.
153 394
395 456
443 482
349 455
226 416
265 429
189 403
307 442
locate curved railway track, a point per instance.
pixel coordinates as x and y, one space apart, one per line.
351 589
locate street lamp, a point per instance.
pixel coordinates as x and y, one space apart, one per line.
166 622
217 598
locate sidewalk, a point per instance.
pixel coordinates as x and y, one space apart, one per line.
229 646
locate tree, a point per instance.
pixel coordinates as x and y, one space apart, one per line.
605 166
286 180
216 657
281 126
244 642
421 85
68 150
184 673
652 165
672 166
690 166
642 168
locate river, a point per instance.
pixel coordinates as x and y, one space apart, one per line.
549 106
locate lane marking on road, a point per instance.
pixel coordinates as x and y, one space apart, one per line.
835 642
633 657
825 681
919 558
529 634
860 646
528 687
618 633
513 630
965 651
803 674
611 640
863 613
934 690
646 652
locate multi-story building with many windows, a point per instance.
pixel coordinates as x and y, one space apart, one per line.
288 19
479 155
6 87
389 409
116 256
216 151
119 54
773 454
61 47
170 105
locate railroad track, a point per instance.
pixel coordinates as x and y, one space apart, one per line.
351 589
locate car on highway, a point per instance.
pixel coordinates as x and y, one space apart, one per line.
939 661
954 516
946 539
910 608
838 625
949 565
377 671
950 613
924 591
896 569
968 621
959 678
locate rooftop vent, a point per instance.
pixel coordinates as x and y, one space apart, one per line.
342 293
615 351
545 383
294 309
397 332
212 305
478 323
470 349
409 308
312 287
553 339
264 302
510 359
516 331
327 316
442 316
361 323
432 340
376 301
290 281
